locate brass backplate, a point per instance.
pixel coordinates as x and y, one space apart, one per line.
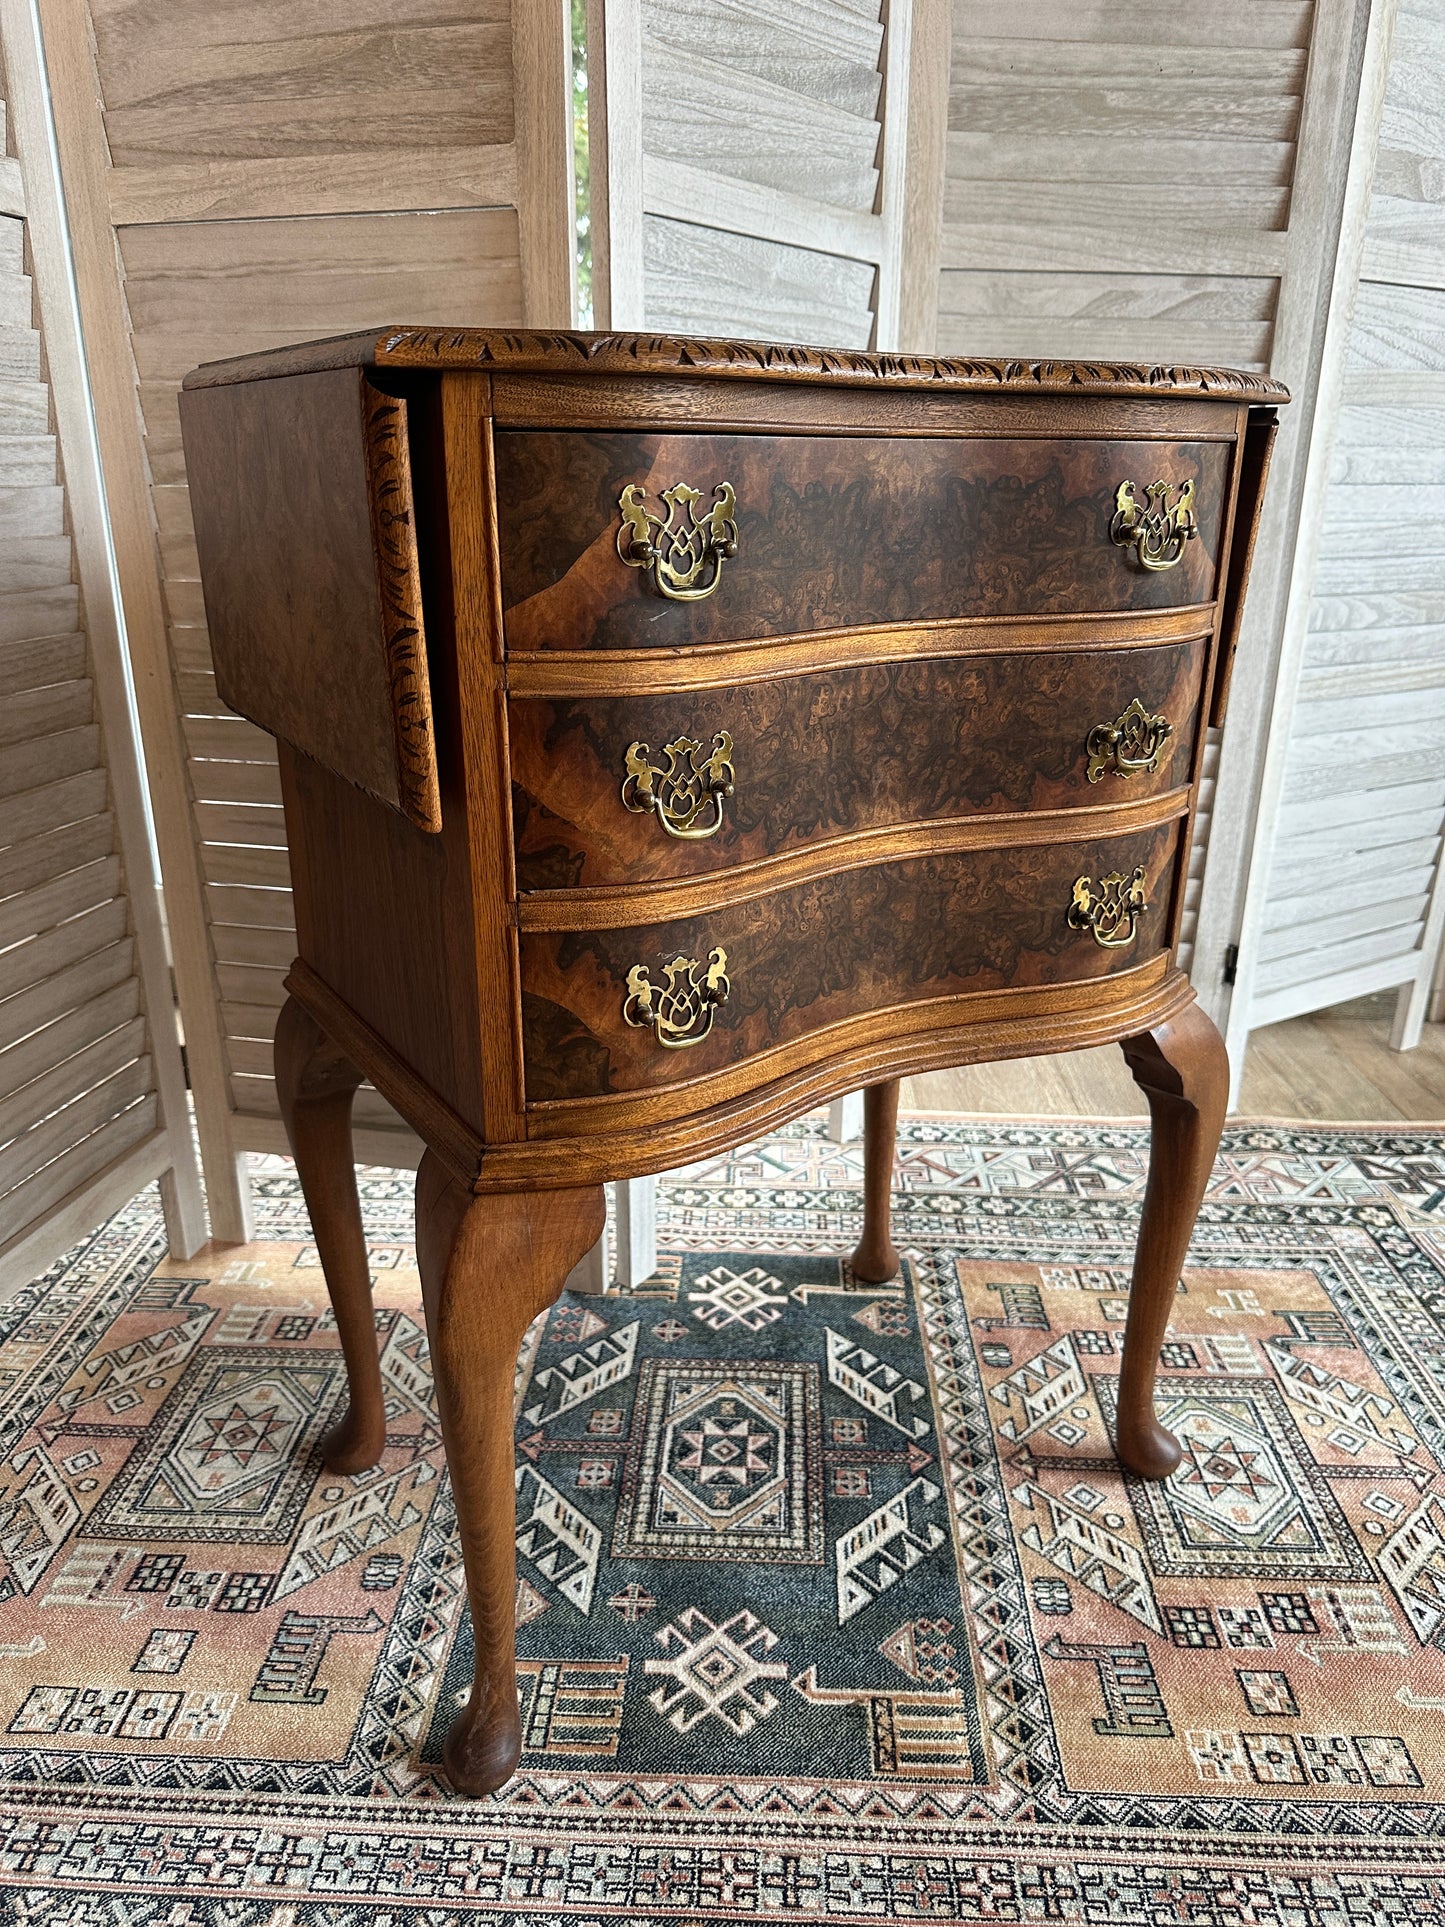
1156 529
683 551
687 792
1129 746
680 1010
1110 909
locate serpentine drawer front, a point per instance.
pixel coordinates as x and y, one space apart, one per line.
839 946
675 735
607 790
769 537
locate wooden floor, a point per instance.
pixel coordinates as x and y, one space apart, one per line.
1336 1065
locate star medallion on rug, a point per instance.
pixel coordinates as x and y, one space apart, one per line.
833 1601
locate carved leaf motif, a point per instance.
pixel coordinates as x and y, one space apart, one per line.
534 351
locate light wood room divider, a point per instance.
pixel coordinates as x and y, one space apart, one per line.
92 1091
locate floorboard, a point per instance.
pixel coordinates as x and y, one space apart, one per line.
1333 1065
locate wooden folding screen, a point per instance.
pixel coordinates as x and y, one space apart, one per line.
1345 895
92 1093
240 176
1110 185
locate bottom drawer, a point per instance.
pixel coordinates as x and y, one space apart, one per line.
636 1008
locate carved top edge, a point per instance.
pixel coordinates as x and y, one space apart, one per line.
531 352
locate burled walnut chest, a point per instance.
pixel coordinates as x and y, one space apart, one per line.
676 734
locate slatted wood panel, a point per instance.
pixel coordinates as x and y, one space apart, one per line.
262 175
1149 186
1120 186
1194 882
83 1118
749 177
1353 874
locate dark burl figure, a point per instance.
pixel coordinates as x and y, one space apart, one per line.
834 947
835 532
845 750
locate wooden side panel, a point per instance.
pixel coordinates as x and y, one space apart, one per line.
829 755
1205 791
305 532
840 533
1254 463
237 182
827 950
389 925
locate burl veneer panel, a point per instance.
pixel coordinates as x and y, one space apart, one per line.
845 750
837 947
837 532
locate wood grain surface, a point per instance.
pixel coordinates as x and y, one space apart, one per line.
1183 1071
823 755
681 404
1255 453
398 578
283 508
837 532
828 950
383 915
189 82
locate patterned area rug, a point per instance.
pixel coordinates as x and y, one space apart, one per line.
834 1603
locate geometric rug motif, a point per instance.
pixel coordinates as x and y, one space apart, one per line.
725 1461
1247 1500
230 1456
697 1533
833 1600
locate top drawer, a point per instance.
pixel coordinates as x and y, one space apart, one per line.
834 532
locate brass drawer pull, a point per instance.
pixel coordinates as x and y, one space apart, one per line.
687 796
1130 746
1154 530
680 1012
683 551
1111 914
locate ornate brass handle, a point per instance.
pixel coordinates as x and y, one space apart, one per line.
683 551
687 795
1130 746
1112 911
1154 529
680 1010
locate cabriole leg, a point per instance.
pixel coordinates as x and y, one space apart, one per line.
1183 1071
315 1084
488 1265
876 1260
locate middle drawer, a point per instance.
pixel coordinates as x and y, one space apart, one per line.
635 788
